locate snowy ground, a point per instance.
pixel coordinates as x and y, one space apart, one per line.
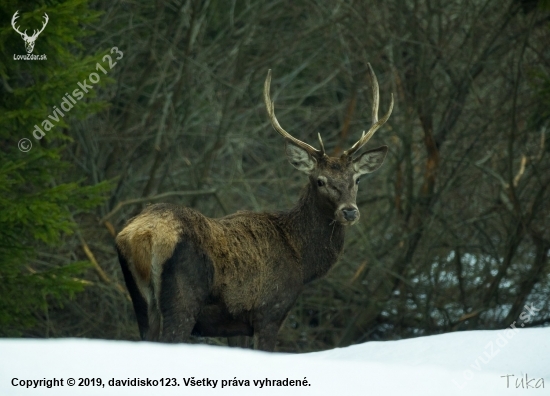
463 363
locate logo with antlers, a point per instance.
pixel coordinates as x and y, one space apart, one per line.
29 40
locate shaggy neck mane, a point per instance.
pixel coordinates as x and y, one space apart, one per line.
319 238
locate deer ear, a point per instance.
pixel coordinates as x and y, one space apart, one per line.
300 158
370 161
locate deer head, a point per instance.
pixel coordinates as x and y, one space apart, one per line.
29 40
335 179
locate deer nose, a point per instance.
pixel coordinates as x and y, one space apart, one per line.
350 213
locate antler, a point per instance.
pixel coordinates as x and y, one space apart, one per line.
43 25
375 122
35 33
270 106
15 16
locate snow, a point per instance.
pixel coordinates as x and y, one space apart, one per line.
460 363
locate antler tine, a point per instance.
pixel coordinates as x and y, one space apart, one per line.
323 152
270 106
375 95
375 122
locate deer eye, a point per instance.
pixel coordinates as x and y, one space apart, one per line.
320 183
357 181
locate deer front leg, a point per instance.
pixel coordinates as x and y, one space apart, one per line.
272 312
238 342
265 338
266 326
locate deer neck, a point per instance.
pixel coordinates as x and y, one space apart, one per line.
319 238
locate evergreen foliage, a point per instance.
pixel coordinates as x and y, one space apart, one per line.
38 194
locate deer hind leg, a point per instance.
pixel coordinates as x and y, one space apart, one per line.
154 323
184 287
138 300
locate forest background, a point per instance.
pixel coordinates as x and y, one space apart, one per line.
454 229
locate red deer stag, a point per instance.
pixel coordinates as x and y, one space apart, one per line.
239 275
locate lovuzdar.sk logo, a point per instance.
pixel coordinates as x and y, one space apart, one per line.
29 40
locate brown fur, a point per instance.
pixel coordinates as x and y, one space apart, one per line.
241 246
238 275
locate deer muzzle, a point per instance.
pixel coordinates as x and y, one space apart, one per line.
347 214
